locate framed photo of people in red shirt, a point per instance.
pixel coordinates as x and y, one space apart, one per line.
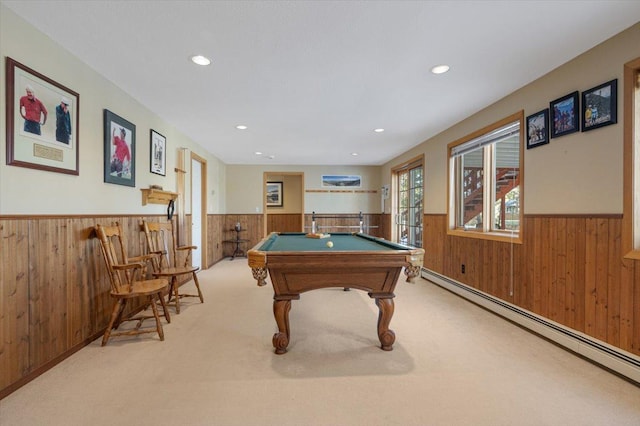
119 150
42 121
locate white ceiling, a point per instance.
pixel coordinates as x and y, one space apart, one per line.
313 79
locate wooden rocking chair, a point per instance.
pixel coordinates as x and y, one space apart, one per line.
127 276
161 240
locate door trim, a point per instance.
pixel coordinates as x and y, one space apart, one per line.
204 264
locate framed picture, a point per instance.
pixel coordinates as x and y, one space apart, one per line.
538 129
600 106
564 115
119 150
42 121
352 181
158 158
274 194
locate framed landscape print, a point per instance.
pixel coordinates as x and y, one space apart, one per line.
158 158
341 180
42 121
274 194
564 115
538 129
600 106
119 150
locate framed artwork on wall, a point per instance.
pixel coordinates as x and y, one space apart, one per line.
600 106
119 150
352 181
158 151
42 121
274 194
538 129
564 115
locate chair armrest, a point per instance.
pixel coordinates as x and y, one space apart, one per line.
161 252
142 258
187 248
126 266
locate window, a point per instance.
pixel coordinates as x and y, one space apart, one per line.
485 173
631 218
408 184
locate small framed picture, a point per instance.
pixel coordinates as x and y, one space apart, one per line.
274 194
119 150
158 158
538 129
564 115
600 106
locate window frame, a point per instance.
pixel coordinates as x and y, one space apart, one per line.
631 136
453 184
413 163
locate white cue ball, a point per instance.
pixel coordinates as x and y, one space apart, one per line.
329 244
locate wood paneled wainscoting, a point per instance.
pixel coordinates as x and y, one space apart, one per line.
570 269
253 227
54 291
284 222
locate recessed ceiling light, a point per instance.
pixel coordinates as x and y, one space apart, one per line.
440 69
241 127
378 130
258 153
200 60
355 154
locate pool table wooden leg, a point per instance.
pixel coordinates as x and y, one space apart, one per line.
386 306
281 308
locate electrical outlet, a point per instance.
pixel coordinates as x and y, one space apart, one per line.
463 268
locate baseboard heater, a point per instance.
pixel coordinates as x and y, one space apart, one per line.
622 362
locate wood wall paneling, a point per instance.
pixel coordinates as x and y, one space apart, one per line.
569 269
285 222
54 292
14 301
215 233
254 231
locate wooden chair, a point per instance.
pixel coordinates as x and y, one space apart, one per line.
161 240
128 281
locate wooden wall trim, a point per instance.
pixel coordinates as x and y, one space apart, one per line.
76 216
555 215
575 215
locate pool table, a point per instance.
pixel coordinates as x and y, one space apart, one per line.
297 263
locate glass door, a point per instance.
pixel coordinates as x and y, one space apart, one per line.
408 217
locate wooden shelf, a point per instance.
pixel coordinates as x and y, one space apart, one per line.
157 196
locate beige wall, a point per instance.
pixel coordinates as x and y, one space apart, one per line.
247 198
28 191
578 173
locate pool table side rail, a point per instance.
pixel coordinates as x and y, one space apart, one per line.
260 257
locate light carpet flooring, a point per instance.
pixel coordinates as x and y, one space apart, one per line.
453 363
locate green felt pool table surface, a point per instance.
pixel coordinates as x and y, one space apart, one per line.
341 242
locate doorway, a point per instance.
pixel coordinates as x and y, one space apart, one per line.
408 182
284 214
199 211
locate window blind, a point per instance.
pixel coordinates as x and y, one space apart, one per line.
495 136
